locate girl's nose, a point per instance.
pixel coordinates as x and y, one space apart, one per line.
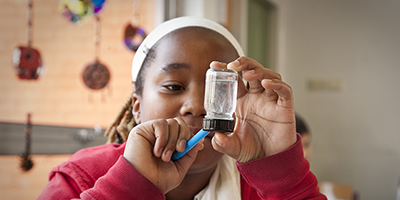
194 103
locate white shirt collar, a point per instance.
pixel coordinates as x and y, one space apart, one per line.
224 183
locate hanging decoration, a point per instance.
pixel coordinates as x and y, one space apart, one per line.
79 11
96 75
134 34
26 59
97 5
26 162
76 11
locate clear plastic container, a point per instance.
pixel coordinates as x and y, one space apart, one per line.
220 100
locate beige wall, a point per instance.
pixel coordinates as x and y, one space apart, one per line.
355 129
60 97
16 184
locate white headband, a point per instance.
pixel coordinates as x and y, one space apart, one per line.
172 25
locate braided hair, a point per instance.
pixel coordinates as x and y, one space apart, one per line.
117 131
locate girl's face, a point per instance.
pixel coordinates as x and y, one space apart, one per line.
174 82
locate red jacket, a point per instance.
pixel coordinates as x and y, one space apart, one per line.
102 173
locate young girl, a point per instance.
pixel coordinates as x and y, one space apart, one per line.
261 159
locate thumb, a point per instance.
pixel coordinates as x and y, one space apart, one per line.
226 144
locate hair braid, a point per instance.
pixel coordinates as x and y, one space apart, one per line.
118 131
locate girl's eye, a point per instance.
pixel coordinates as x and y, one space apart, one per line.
174 87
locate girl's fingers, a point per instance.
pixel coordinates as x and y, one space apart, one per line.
183 136
225 144
242 90
279 88
260 79
161 135
253 72
216 64
173 131
170 135
247 65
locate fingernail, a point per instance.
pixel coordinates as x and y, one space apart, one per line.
160 151
182 144
222 63
218 142
169 153
217 62
236 62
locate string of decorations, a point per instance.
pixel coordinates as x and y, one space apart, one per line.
26 161
26 59
96 75
79 11
134 34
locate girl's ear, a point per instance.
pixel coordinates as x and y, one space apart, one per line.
136 108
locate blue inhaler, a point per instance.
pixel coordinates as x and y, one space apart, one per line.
220 104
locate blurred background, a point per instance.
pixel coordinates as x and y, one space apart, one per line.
340 57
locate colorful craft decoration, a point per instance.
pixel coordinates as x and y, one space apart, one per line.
78 11
97 5
133 37
134 34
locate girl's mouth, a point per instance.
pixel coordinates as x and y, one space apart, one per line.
196 130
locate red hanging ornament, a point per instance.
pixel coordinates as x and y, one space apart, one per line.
27 63
26 59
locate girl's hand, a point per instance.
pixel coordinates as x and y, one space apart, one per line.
265 122
150 146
